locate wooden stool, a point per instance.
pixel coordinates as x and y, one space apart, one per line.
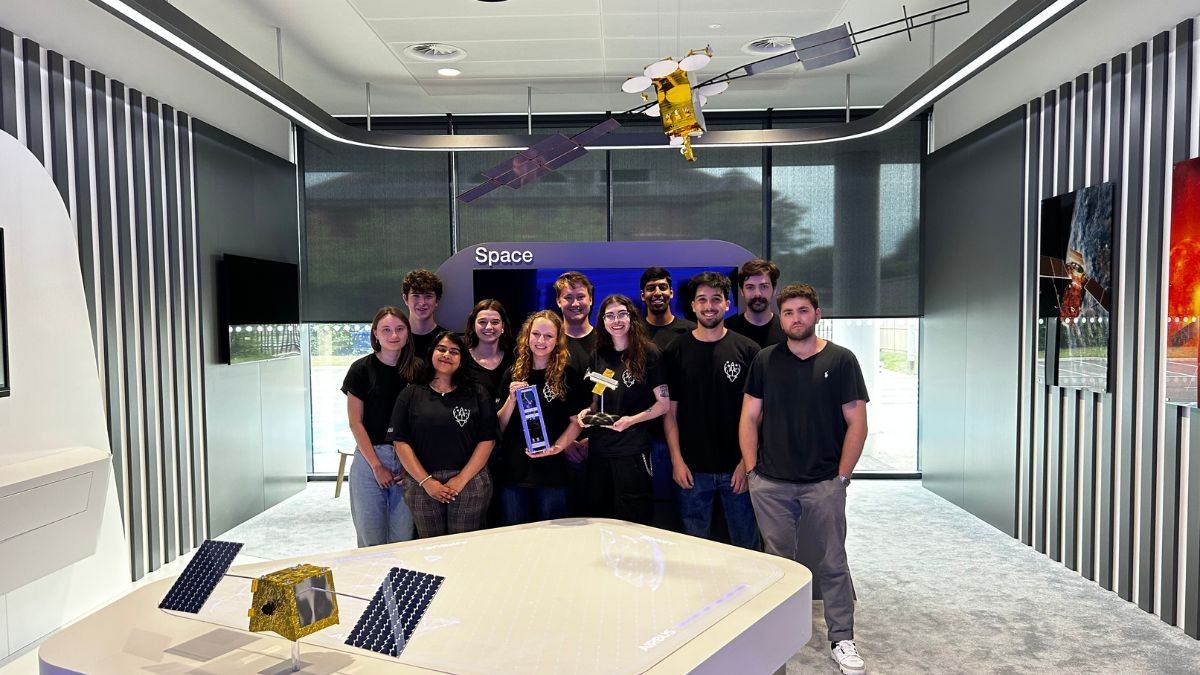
343 455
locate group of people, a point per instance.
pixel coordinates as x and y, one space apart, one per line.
756 411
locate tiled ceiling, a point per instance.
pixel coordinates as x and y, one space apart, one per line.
574 54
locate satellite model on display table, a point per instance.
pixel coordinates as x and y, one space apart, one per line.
300 600
679 103
604 381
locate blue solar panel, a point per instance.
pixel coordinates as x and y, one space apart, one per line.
201 576
391 618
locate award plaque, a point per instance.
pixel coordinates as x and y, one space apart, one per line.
529 407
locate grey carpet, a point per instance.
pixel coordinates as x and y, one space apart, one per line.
939 591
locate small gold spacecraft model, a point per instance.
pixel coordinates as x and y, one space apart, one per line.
679 103
294 602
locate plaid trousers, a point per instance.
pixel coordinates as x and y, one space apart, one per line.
465 514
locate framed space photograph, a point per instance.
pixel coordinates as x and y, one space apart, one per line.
1075 288
1183 290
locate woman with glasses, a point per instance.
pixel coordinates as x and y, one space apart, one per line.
534 484
444 430
371 387
619 473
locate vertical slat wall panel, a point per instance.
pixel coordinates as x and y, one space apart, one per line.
35 137
56 91
122 163
1150 380
1031 417
1111 482
8 83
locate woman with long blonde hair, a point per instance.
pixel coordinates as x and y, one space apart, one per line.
534 484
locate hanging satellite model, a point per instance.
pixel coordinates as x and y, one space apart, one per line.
679 103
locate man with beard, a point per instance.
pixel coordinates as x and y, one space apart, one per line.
706 372
661 323
811 400
663 328
573 292
757 280
422 292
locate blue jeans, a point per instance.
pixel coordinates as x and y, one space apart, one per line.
380 515
520 505
696 507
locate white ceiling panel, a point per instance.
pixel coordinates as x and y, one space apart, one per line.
458 9
496 28
574 53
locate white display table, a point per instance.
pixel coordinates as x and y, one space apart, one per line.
567 596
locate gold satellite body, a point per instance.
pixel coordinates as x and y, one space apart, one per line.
679 110
294 602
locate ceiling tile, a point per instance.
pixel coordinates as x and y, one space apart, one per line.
518 50
499 28
457 9
711 7
747 25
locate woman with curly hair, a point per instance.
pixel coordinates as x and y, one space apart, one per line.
444 429
371 387
619 469
534 485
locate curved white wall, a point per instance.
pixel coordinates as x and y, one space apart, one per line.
56 400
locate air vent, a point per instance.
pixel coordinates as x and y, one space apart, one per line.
768 46
434 51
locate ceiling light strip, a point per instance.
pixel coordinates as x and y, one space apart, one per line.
152 27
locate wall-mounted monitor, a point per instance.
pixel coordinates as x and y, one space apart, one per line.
1183 288
259 309
4 385
523 291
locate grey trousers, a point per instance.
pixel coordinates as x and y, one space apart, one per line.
779 507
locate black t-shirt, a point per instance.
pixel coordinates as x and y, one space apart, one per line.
377 385
706 381
665 335
490 379
802 423
443 429
770 333
629 398
422 343
519 469
581 350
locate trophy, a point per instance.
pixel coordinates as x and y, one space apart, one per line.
603 382
529 404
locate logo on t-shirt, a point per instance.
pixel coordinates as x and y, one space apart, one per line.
548 393
827 374
628 379
461 415
732 370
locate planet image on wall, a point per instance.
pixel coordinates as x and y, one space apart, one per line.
1075 286
1183 292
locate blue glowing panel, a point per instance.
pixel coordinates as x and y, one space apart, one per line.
391 618
201 576
524 291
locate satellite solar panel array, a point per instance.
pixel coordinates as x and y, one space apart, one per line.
201 576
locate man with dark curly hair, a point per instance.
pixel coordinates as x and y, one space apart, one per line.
422 293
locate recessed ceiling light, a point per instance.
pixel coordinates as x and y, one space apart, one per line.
714 26
449 72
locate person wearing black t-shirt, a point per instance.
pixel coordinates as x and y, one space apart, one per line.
619 471
533 486
706 371
371 387
444 430
810 397
574 293
756 281
422 293
489 342
662 327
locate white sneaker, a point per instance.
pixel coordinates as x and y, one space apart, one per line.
847 658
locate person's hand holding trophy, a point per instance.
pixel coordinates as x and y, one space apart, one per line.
604 381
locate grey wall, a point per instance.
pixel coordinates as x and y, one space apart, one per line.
970 362
257 412
1107 483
